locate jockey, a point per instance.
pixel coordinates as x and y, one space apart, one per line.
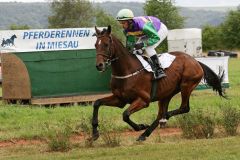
146 33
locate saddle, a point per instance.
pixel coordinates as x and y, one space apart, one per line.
165 60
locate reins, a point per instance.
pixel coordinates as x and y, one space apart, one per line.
109 60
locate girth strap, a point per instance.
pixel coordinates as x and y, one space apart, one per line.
154 90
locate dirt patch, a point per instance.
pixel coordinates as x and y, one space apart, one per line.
79 138
162 132
20 142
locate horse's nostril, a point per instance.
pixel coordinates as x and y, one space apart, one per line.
100 67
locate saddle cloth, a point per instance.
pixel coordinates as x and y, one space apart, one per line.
165 60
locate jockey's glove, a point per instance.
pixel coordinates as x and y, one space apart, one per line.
140 45
139 52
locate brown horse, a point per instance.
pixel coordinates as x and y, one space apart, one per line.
131 84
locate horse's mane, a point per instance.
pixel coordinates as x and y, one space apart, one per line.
114 37
118 41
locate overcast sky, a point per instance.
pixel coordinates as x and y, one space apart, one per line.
195 3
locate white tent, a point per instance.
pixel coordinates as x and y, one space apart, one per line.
187 40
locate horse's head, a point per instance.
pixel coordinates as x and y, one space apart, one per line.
103 47
13 36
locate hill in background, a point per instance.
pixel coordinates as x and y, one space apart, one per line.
36 15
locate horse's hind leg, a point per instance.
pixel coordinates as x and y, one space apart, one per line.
186 90
163 106
162 112
134 107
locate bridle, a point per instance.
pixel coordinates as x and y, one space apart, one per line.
109 54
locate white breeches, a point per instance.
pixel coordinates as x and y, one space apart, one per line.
163 32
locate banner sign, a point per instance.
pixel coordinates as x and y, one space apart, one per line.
47 39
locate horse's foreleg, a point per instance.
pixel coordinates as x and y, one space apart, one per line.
134 107
108 101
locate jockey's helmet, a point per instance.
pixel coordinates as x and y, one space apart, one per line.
124 14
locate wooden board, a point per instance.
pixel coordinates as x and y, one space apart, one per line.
70 99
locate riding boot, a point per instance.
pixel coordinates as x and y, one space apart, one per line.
158 70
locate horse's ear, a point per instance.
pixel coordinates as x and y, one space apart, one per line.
109 29
97 31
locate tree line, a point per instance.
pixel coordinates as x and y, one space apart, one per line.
67 13
224 36
82 13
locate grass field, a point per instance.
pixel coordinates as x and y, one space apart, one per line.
214 149
30 122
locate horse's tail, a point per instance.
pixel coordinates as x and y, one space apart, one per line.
213 80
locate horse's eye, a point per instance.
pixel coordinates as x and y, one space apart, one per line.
105 45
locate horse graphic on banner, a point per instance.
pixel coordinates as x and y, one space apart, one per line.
8 42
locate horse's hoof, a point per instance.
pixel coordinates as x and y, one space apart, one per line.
141 139
162 125
95 136
143 126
